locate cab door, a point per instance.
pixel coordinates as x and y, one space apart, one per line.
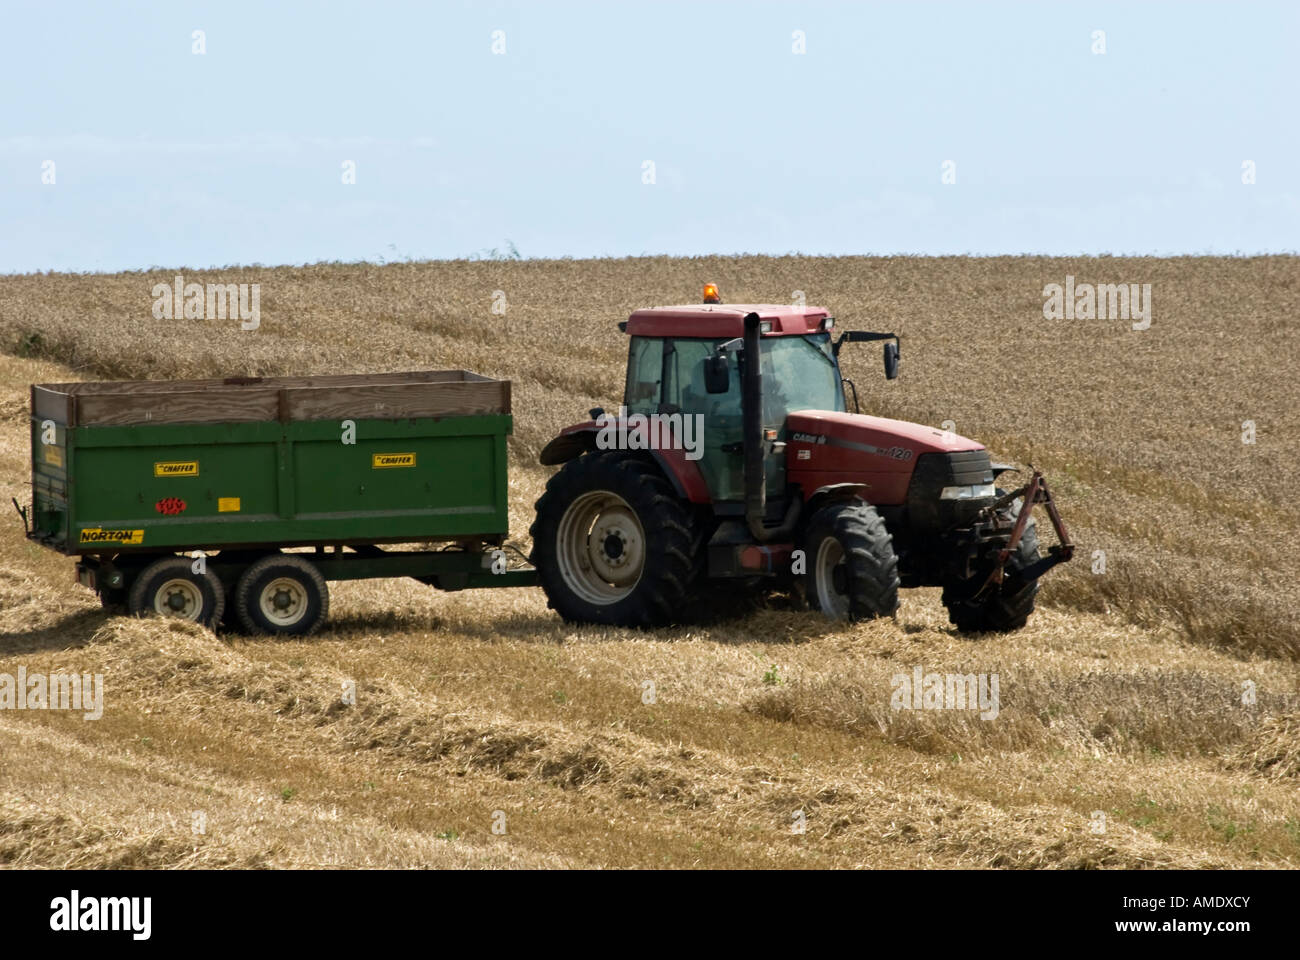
722 462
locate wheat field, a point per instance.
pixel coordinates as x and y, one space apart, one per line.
487 733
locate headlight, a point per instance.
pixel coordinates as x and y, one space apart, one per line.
973 492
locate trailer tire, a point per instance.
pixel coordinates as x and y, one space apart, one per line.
232 564
852 570
1003 608
282 594
613 544
170 587
114 601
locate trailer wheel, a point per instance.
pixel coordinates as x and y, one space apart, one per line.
282 594
1000 608
113 601
170 587
613 544
232 563
852 571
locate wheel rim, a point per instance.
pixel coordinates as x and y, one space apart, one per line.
600 548
831 577
179 598
283 602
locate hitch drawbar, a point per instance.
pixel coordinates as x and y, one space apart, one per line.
22 512
1034 492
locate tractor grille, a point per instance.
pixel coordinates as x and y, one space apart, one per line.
933 472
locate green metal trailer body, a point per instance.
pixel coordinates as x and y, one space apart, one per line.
151 466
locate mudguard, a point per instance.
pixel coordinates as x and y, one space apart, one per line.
685 475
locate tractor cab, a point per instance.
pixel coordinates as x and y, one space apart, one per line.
670 353
690 360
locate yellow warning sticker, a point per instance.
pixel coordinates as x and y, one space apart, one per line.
379 461
53 456
176 468
227 504
101 535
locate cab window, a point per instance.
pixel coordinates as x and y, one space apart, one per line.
644 374
685 390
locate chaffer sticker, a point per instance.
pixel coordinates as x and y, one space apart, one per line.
104 535
176 468
380 461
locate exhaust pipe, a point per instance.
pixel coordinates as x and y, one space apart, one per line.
751 399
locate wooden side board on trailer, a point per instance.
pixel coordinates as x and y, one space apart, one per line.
425 393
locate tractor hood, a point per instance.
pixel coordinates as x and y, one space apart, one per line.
824 448
897 439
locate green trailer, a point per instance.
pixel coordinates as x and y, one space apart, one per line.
189 497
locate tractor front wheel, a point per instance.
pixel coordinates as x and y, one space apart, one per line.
973 608
852 571
613 544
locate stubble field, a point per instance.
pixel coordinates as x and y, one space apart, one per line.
1123 697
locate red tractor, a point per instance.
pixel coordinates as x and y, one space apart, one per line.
734 467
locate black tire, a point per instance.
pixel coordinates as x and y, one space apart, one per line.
641 572
282 594
236 559
1000 608
170 587
114 601
852 570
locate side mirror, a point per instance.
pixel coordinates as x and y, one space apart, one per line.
717 375
891 361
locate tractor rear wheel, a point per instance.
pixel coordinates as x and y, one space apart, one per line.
998 609
613 544
852 571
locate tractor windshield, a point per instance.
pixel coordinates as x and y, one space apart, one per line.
799 373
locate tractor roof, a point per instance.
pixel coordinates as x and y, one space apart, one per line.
714 320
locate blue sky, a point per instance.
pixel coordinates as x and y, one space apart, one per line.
164 157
